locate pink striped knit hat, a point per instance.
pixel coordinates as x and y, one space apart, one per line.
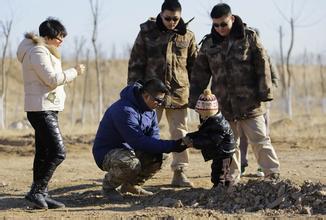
207 102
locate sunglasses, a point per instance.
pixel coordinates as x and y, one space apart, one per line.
59 39
222 25
175 19
158 100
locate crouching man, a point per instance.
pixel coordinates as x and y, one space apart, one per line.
127 143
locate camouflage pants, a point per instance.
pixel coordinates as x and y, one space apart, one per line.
126 166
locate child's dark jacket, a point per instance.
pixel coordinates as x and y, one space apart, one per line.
214 138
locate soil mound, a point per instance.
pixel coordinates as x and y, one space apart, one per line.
269 197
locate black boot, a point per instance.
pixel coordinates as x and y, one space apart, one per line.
36 196
52 204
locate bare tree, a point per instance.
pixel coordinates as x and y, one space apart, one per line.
282 67
6 30
83 115
79 44
290 72
323 82
293 21
305 86
288 84
95 13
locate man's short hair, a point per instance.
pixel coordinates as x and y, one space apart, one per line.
52 28
171 5
220 10
154 86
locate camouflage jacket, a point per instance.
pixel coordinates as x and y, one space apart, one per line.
166 55
240 71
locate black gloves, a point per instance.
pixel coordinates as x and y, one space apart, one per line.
200 141
266 96
182 144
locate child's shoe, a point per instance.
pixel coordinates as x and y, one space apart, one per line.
260 172
243 170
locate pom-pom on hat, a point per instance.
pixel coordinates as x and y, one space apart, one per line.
207 102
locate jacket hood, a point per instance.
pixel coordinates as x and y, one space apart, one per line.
181 28
32 40
132 93
157 22
237 31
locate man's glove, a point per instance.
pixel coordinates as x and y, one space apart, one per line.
266 96
187 141
180 146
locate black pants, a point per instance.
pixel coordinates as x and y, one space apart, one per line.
217 170
49 147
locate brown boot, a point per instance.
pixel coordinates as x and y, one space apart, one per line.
134 189
110 192
180 179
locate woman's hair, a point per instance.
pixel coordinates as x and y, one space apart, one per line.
52 28
171 5
220 10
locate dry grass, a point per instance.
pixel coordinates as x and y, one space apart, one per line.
114 78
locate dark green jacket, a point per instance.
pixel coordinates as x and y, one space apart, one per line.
240 71
166 55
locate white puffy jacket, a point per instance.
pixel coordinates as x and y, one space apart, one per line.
43 75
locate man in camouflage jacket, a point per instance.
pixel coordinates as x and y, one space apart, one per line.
233 56
166 50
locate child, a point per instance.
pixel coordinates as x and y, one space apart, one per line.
214 138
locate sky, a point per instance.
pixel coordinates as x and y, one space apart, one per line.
119 21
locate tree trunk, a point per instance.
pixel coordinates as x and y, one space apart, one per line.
289 71
2 110
95 12
282 68
99 84
6 29
323 83
79 44
289 101
305 86
83 111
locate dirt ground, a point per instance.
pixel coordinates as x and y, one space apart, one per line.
77 182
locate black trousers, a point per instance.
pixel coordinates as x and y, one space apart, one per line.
217 169
49 147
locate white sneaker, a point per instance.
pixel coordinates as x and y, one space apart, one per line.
260 172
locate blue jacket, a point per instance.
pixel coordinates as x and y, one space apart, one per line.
129 123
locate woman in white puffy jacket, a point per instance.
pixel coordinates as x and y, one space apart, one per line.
44 82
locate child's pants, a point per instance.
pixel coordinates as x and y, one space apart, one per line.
217 171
